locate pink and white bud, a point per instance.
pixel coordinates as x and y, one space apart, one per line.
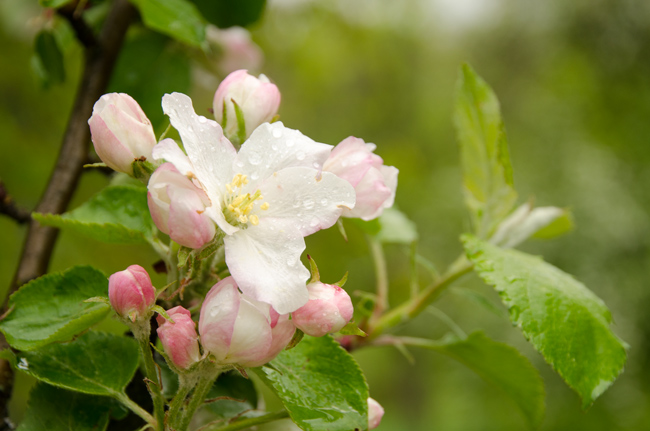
179 339
375 413
257 98
177 207
374 184
236 48
131 293
328 310
121 132
237 329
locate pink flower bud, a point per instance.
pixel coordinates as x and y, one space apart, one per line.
258 99
121 132
177 207
375 184
237 49
375 413
237 329
179 339
328 310
131 292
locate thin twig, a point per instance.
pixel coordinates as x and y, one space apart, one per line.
10 209
82 30
100 57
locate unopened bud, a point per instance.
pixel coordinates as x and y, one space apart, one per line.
328 310
375 184
179 339
237 329
257 98
121 132
131 293
375 413
177 207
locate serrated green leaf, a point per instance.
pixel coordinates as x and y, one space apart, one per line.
487 173
395 227
320 385
241 392
117 214
55 409
142 53
52 308
179 19
49 58
226 13
501 365
95 363
566 322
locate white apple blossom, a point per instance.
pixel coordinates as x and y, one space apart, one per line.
266 198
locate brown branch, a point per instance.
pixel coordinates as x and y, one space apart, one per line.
81 29
9 207
39 243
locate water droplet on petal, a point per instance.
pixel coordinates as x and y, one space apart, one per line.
323 201
308 203
202 119
277 133
314 221
300 155
289 142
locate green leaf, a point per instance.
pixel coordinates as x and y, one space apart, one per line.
55 409
526 221
95 363
179 19
227 13
143 52
48 58
241 392
52 308
501 365
561 225
395 227
117 214
487 174
564 320
320 385
53 3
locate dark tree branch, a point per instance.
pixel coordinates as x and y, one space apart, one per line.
9 208
100 59
83 32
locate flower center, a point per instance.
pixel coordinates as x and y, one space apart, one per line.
238 206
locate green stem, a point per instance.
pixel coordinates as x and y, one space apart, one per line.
198 396
186 383
377 252
249 422
141 333
131 405
415 306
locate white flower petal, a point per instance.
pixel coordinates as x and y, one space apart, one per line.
208 149
307 203
273 147
265 262
168 150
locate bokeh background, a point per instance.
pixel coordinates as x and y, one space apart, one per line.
574 83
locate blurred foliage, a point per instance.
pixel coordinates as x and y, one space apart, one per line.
573 79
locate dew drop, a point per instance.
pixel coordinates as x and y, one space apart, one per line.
274 147
297 203
289 143
202 119
323 201
316 165
255 158
291 262
300 155
277 133
314 221
255 176
308 203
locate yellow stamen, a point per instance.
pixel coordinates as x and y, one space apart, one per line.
264 206
255 220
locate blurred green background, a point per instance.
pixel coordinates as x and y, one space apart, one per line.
574 83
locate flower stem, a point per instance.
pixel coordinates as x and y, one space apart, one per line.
141 333
248 422
416 305
186 383
377 252
209 375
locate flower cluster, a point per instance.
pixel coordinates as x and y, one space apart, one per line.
257 201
